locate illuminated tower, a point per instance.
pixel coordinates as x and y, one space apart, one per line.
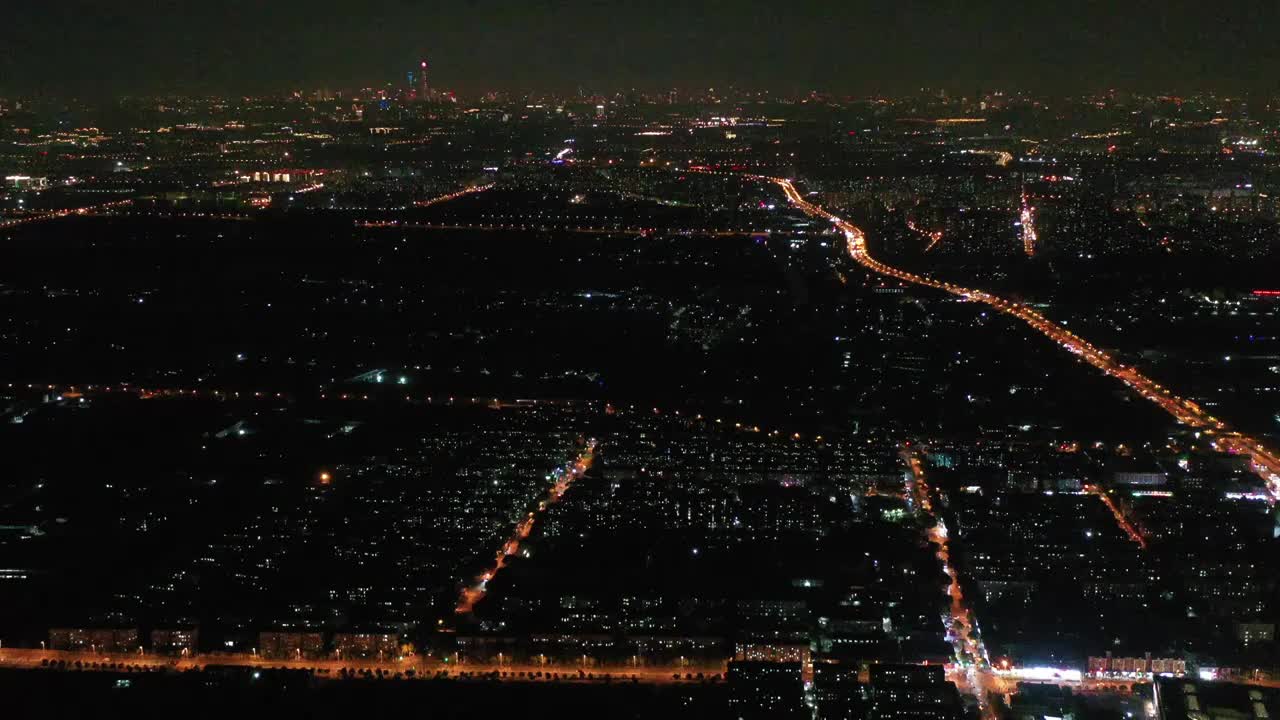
424 90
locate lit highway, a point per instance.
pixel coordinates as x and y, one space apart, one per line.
934 236
428 666
1264 461
1128 527
535 224
972 672
56 214
1027 221
454 195
564 478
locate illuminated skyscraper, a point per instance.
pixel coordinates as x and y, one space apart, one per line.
424 90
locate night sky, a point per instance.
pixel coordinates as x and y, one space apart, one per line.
66 47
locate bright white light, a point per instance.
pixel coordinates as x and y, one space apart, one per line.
1043 673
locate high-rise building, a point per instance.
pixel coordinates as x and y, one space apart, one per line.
424 90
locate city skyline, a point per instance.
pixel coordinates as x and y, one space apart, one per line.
856 48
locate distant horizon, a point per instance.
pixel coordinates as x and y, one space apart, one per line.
82 49
685 95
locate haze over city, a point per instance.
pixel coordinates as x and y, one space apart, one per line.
873 361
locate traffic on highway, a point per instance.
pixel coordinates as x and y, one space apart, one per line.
1264 461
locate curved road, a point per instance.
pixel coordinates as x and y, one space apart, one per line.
1265 462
